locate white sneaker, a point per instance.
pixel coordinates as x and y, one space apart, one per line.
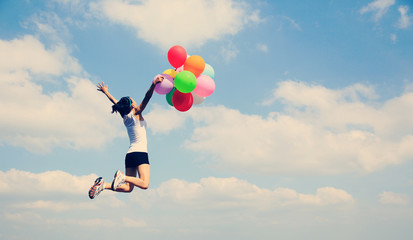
97 188
119 180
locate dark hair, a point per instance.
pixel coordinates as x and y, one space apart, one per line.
123 106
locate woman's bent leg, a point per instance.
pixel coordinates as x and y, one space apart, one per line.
144 171
128 187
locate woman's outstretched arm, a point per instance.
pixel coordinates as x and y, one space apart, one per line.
149 94
104 88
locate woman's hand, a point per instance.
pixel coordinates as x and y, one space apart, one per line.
102 87
158 79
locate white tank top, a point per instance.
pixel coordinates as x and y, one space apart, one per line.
136 132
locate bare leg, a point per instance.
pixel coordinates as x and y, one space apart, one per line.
131 180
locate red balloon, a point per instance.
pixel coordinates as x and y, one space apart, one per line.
182 101
177 56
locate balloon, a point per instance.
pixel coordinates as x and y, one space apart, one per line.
185 81
170 72
197 99
209 71
182 101
169 97
180 69
176 56
165 86
205 86
195 64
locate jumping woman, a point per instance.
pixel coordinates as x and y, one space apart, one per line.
136 160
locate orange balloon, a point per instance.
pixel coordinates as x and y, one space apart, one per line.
195 64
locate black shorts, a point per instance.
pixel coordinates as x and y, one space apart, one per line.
134 159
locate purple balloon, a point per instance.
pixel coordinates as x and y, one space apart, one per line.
165 86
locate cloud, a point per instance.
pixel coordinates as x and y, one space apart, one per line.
229 52
232 193
379 7
156 119
189 23
128 222
262 47
51 182
50 118
394 198
60 206
405 20
57 191
58 199
320 131
29 54
393 38
291 22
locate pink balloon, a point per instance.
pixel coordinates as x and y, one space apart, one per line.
177 56
165 86
205 86
180 69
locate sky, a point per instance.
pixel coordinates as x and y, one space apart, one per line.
308 134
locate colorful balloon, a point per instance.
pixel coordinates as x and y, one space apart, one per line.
182 101
185 81
165 86
170 72
197 99
195 64
169 97
205 86
209 71
177 56
180 69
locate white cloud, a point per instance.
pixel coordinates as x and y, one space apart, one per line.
262 47
393 38
156 119
405 20
59 200
53 182
38 120
232 193
229 52
394 198
379 7
60 206
51 192
29 54
321 131
188 23
128 222
291 22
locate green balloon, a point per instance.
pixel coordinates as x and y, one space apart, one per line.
169 97
185 81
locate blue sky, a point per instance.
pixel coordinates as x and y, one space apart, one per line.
308 134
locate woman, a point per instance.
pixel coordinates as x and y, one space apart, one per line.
136 160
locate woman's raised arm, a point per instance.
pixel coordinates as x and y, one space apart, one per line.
104 88
149 94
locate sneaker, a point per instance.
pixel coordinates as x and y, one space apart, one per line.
119 180
97 188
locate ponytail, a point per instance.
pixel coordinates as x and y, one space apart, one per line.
123 106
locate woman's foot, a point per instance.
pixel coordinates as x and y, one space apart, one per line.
119 180
97 188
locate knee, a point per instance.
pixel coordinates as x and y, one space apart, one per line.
145 186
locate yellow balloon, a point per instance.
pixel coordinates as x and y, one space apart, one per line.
170 72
